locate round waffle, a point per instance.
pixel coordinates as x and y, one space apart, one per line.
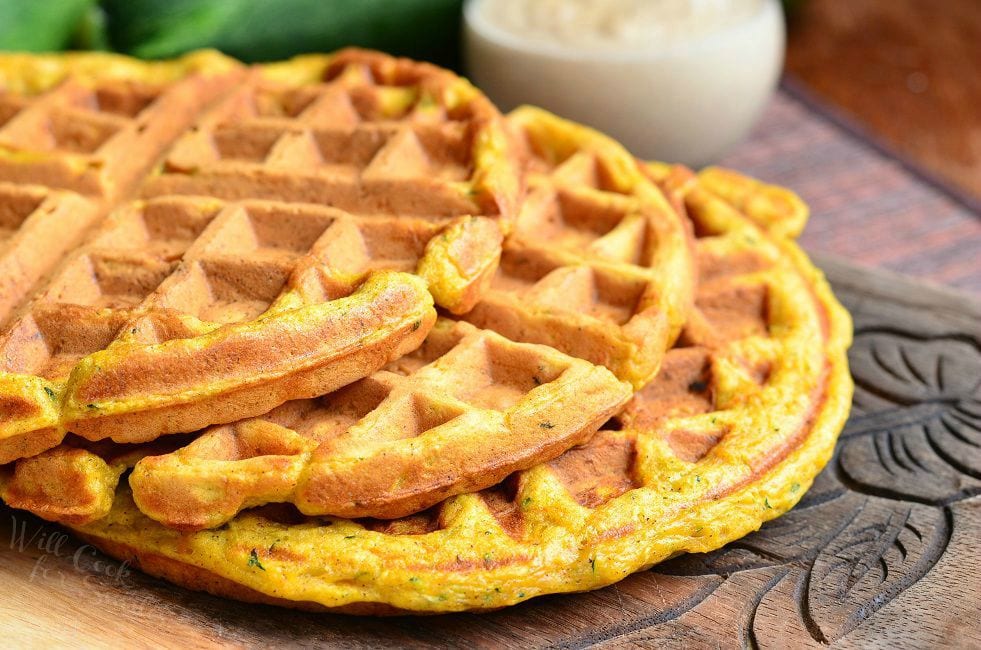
730 433
369 134
457 415
93 122
599 264
326 180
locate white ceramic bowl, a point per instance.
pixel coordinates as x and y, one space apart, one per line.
687 101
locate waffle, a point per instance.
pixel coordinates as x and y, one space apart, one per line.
282 249
776 209
94 123
29 214
599 264
77 132
181 312
365 133
730 433
240 281
460 414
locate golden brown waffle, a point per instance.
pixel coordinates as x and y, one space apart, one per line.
458 415
729 434
776 209
185 311
94 123
181 312
599 264
29 216
365 133
226 293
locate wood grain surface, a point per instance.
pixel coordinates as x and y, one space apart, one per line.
910 70
866 205
881 551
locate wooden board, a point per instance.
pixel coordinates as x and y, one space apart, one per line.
919 58
882 551
866 205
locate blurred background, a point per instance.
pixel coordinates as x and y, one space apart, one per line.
876 120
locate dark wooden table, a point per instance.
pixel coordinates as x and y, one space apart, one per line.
867 206
908 70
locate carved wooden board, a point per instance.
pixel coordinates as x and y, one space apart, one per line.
883 551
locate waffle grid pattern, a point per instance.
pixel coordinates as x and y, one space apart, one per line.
179 269
599 264
743 415
29 214
363 133
95 123
122 340
437 478
392 444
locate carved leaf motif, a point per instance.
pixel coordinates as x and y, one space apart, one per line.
920 438
886 548
934 459
778 616
892 368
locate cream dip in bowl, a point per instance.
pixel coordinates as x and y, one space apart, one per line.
678 80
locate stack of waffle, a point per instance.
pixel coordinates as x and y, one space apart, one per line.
333 333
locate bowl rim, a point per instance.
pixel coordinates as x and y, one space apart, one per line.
476 22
